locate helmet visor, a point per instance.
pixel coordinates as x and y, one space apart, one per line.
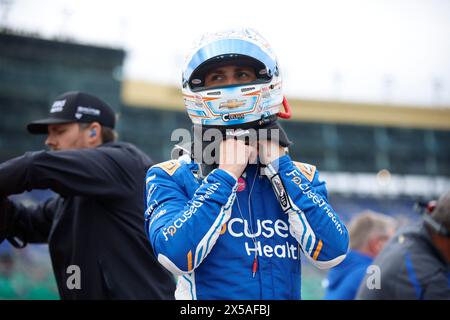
227 50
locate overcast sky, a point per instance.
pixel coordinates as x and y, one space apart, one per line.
384 51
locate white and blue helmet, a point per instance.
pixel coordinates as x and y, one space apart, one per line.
236 104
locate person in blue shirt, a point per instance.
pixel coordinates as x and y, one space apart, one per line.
230 215
369 231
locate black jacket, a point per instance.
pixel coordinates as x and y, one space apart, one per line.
411 267
96 223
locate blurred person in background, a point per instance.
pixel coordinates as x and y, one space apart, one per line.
369 231
94 225
230 223
415 264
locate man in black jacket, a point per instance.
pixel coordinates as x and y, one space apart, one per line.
94 227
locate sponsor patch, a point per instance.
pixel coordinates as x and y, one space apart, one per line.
168 166
280 192
58 106
241 185
268 229
88 110
232 116
195 205
232 104
306 169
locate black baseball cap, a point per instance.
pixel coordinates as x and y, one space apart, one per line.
75 106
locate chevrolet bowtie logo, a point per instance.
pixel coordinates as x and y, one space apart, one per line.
232 104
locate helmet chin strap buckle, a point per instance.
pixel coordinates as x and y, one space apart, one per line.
287 110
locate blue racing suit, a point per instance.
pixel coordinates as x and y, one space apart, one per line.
229 239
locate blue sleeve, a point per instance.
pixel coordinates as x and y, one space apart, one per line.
183 230
316 226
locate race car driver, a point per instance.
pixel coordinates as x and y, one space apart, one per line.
233 228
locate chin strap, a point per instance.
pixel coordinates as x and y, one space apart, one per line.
287 110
